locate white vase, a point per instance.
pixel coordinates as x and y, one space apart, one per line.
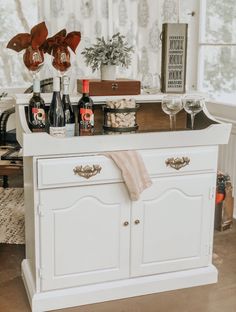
108 72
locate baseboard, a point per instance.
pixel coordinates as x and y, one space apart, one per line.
28 280
70 297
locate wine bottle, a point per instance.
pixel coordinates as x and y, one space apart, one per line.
56 114
86 112
69 114
36 110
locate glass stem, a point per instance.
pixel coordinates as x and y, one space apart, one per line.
192 120
172 122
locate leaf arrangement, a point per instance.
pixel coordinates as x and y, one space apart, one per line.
57 46
32 44
60 39
222 180
36 38
115 51
36 44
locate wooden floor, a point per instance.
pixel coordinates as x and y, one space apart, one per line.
220 297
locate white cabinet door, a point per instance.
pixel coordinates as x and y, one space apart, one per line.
171 225
83 235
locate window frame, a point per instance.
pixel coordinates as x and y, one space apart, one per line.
202 44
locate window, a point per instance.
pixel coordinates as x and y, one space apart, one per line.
217 60
16 16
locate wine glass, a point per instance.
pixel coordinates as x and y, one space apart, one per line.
61 60
171 105
193 104
33 60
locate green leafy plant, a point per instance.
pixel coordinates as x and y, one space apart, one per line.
115 51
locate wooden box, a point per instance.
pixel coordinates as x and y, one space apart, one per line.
112 87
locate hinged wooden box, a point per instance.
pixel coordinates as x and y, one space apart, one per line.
112 87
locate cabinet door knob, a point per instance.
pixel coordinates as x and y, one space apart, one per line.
126 223
136 221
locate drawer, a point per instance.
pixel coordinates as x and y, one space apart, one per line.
180 160
87 170
71 171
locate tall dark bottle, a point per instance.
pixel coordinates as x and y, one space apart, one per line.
56 114
86 112
36 111
69 114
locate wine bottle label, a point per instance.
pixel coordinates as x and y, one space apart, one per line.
87 116
70 130
69 116
59 132
38 117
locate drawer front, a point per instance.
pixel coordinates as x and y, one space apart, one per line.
87 170
71 171
178 161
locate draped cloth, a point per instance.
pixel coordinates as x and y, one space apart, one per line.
133 170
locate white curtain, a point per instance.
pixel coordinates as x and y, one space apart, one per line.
16 17
139 20
87 16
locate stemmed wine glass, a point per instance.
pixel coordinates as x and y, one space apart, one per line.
171 105
193 104
34 61
61 60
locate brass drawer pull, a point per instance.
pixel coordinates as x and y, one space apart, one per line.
87 171
136 221
126 223
177 163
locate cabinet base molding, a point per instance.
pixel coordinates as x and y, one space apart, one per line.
94 293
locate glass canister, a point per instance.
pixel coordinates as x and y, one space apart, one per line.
120 116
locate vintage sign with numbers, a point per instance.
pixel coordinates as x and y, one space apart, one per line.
174 55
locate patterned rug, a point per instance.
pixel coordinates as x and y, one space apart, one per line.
12 223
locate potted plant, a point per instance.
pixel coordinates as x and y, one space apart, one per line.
108 54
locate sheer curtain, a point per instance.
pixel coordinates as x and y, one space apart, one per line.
16 17
139 20
87 16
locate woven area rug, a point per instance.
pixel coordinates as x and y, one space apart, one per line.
12 221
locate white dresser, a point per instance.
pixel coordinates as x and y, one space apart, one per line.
87 242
